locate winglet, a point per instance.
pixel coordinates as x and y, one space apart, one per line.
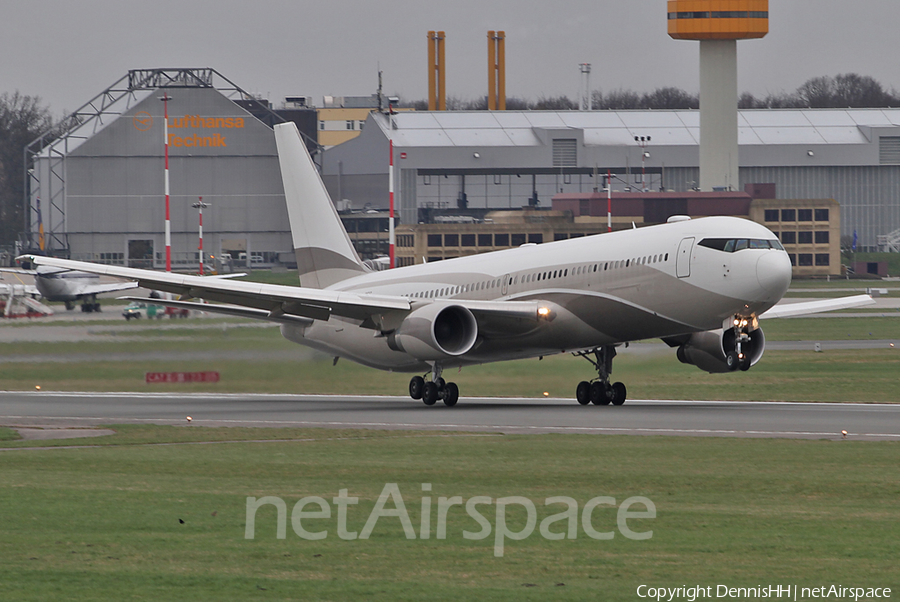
324 252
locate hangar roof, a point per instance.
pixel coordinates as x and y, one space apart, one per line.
618 128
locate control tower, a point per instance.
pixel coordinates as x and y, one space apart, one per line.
718 25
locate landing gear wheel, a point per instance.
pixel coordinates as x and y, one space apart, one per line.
451 394
430 394
599 394
416 387
618 394
441 383
745 364
583 393
732 360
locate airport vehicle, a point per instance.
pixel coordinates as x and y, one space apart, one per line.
139 309
699 284
69 286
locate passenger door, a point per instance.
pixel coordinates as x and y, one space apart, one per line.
683 259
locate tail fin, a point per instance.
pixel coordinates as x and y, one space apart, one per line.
325 255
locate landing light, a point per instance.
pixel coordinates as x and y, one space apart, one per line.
544 312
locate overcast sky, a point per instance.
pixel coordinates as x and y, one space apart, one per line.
67 51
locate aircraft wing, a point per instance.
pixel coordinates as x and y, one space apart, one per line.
112 287
786 310
18 271
274 299
295 304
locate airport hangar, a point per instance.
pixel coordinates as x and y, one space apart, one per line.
454 162
98 187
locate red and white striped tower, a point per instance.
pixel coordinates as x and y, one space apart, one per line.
165 99
199 205
609 201
391 240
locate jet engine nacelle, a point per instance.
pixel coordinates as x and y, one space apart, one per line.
708 350
435 332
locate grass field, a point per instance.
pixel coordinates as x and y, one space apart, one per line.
105 522
258 359
159 513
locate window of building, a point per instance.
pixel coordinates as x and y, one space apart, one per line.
806 259
518 239
822 258
467 240
435 240
485 240
322 125
821 215
788 215
789 238
350 124
793 257
560 236
501 240
536 238
771 215
822 238
804 215
451 240
805 238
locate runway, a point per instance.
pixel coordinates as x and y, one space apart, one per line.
636 417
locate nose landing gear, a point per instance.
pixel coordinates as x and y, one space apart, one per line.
739 357
600 391
437 388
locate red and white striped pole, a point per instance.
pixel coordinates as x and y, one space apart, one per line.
165 99
199 205
609 201
391 240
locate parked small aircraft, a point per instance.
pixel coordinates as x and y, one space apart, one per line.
69 286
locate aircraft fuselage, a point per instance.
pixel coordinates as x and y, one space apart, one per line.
651 282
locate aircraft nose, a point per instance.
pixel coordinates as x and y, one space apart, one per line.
773 271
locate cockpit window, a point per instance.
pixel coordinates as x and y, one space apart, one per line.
730 245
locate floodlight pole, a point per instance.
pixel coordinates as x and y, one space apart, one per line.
391 240
165 98
199 205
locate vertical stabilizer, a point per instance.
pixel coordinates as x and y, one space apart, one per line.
325 255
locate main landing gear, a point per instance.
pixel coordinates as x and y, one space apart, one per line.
437 388
600 392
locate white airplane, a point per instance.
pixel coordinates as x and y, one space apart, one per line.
69 286
700 285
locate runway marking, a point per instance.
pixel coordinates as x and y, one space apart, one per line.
120 445
379 398
468 427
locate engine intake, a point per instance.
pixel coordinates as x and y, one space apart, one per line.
708 350
435 332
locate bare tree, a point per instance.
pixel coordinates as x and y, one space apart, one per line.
22 119
620 99
669 98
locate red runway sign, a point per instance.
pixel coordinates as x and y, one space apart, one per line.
182 377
